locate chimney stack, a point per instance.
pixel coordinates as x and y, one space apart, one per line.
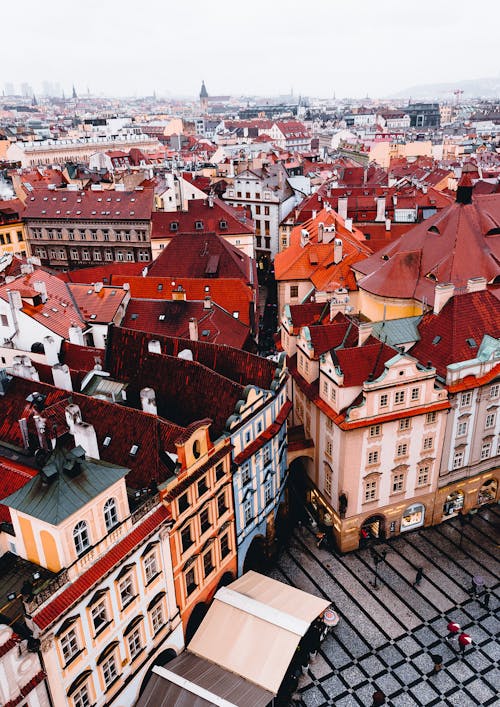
380 209
364 331
148 401
348 224
207 302
76 335
193 329
342 206
51 349
85 436
387 224
154 346
321 227
442 293
62 376
73 415
337 251
41 287
476 284
98 286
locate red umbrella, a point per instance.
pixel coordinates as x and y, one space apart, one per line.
464 639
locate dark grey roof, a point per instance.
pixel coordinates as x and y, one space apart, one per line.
160 692
54 494
395 332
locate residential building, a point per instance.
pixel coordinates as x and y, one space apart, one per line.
22 678
424 115
12 231
291 135
70 228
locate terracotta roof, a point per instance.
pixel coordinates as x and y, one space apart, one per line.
470 382
106 205
80 358
172 317
13 475
221 218
456 333
99 307
86 581
308 314
328 337
358 363
101 273
453 246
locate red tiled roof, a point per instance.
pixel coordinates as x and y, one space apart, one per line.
470 382
9 644
80 358
444 337
99 307
236 220
86 581
101 273
359 362
13 476
327 337
308 314
108 205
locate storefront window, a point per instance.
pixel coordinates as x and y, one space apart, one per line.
413 517
487 492
453 503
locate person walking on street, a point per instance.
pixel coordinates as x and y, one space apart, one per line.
378 698
464 640
487 597
418 576
438 663
453 630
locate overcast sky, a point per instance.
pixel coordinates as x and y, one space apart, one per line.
316 47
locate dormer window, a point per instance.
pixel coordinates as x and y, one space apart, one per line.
174 226
110 514
198 225
223 225
106 441
133 450
81 537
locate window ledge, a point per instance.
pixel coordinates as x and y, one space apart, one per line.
129 602
153 578
112 684
73 658
102 628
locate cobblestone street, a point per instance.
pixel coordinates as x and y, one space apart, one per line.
386 634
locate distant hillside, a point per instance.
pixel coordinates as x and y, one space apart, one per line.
473 88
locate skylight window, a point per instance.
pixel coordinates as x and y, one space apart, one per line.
54 309
133 450
472 343
93 316
134 316
436 340
161 317
106 441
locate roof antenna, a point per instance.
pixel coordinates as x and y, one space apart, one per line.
205 250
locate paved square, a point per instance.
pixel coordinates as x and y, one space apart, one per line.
385 635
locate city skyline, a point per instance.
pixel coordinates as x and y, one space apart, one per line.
328 51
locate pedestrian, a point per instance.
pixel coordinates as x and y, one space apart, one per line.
464 640
378 698
418 576
320 539
487 597
453 630
438 663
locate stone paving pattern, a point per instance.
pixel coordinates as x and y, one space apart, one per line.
385 635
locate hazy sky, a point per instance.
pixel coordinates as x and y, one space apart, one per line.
352 47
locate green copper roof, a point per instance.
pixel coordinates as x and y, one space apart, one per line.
66 484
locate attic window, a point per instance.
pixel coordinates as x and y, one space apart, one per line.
161 317
494 232
113 292
78 212
159 287
436 340
236 315
472 343
89 292
106 441
433 229
174 226
133 450
93 316
134 316
223 225
132 213
207 288
54 309
198 225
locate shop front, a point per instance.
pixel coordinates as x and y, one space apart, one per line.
413 517
453 503
488 492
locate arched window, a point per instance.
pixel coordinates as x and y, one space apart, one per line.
81 537
110 513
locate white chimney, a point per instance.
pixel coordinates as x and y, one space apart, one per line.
186 354
387 224
41 425
207 303
476 284
304 237
342 206
22 367
193 329
27 268
210 201
321 227
41 287
34 260
442 293
380 209
73 415
348 224
154 346
61 376
15 299
51 348
85 436
98 286
148 401
364 331
76 335
145 271
126 286
337 251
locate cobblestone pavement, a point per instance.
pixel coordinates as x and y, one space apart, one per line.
386 635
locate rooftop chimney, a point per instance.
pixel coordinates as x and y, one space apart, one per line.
442 293
73 415
179 293
193 329
148 401
76 335
476 284
62 376
51 348
348 224
337 251
380 209
98 286
364 331
464 190
41 287
27 268
207 303
85 436
342 206
304 237
154 346
387 224
321 227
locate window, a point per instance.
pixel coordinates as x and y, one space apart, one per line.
183 502
110 514
495 391
69 646
208 565
397 483
134 641
325 388
81 697
370 490
221 504
81 537
402 450
399 397
157 618
485 450
219 471
204 520
430 418
428 442
99 615
247 437
384 400
329 424
462 429
109 671
4 320
224 545
465 399
267 454
186 539
190 581
245 474
150 567
20 236
268 491
333 394
257 209
490 421
247 512
458 459
202 486
126 589
328 482
294 290
375 430
415 393
404 424
266 210
422 476
329 448
373 457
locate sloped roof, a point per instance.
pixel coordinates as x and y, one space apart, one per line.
453 246
236 220
106 205
13 475
456 333
101 306
361 362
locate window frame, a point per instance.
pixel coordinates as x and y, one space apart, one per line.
110 512
81 537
